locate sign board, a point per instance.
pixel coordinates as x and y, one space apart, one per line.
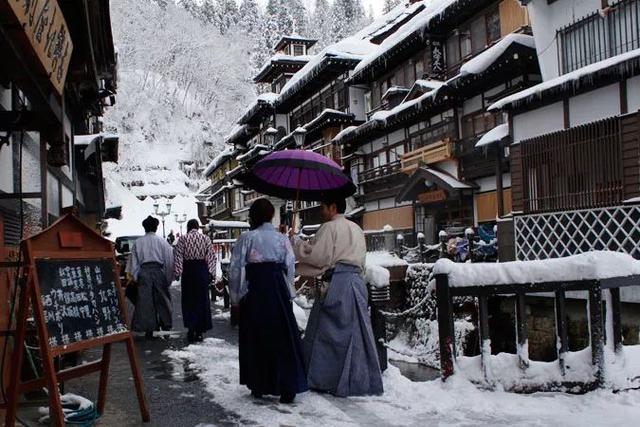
433 196
79 299
72 289
47 31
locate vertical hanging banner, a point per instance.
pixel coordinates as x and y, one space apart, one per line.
438 68
46 29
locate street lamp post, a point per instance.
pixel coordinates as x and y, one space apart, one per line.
299 135
181 219
270 136
162 213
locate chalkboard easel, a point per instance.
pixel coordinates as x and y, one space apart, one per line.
71 284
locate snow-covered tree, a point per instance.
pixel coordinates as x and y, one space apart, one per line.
320 24
390 4
348 16
182 85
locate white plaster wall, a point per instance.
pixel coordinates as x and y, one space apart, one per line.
397 136
633 94
489 183
471 105
5 98
546 19
449 166
356 102
538 122
282 120
67 197
595 105
387 203
6 168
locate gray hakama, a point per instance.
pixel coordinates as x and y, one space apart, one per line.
153 307
340 352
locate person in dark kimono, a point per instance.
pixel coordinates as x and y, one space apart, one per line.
261 281
195 264
151 267
340 351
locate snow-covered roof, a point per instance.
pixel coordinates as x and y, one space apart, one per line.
484 60
82 140
572 80
228 224
428 84
298 60
218 160
256 149
267 99
587 266
437 90
450 180
413 28
348 52
496 134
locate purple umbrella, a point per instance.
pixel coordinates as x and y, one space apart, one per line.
299 175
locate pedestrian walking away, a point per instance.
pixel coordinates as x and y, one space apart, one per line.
151 267
171 238
195 266
340 353
261 281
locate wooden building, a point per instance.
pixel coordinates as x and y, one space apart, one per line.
576 136
415 160
57 75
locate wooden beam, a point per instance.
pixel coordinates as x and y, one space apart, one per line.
522 331
596 332
561 329
445 326
616 319
485 339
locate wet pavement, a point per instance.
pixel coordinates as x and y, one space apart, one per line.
175 394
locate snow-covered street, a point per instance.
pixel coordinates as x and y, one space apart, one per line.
404 403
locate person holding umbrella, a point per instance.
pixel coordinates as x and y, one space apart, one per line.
340 352
261 277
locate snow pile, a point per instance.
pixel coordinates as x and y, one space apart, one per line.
587 266
455 402
377 276
384 259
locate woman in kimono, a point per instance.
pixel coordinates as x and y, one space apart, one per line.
195 264
261 281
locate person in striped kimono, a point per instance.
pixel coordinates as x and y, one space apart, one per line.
195 266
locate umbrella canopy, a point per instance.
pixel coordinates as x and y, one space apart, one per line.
299 175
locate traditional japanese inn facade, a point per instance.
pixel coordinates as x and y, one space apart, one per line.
429 109
576 142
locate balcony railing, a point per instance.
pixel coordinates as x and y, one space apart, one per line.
380 172
432 153
599 36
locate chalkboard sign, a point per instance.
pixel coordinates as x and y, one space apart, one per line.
79 299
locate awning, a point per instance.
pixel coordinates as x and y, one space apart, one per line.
426 177
498 133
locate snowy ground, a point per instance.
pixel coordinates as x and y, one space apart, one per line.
456 402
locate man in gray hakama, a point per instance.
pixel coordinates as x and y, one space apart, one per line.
340 352
152 268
